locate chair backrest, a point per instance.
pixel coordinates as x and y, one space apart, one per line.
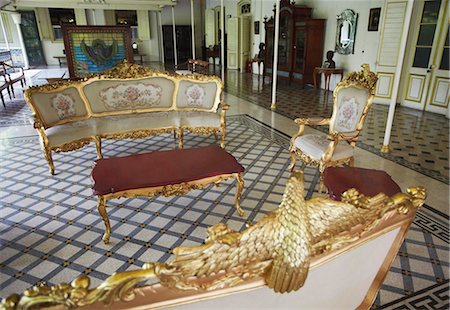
353 98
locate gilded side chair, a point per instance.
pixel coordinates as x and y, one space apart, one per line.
353 98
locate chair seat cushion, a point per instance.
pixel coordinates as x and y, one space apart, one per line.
124 123
315 145
161 168
69 132
199 119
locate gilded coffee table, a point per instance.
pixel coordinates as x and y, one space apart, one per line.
163 173
368 182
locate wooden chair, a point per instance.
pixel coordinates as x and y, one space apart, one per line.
192 66
353 97
13 73
4 85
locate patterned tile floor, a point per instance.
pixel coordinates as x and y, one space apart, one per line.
420 140
50 229
48 224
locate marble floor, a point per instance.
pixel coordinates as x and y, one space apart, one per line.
407 164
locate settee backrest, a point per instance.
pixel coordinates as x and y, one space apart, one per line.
124 96
128 88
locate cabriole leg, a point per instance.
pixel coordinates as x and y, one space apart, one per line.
293 161
48 156
222 138
239 188
351 161
98 146
180 138
321 185
104 215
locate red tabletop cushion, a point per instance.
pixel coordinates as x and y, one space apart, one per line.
161 168
369 182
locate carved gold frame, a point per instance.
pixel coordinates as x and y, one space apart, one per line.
277 252
123 71
166 191
364 79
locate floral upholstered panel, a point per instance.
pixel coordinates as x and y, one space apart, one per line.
351 102
197 96
58 106
154 93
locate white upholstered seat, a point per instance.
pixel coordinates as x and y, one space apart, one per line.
199 119
65 133
110 125
315 146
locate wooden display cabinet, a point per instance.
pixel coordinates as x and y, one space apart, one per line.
300 45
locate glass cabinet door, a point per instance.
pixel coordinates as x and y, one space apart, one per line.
284 41
299 48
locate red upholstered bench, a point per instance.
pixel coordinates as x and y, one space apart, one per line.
164 173
368 182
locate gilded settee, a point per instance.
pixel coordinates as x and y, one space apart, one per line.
128 101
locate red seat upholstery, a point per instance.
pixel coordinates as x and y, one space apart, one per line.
368 182
161 168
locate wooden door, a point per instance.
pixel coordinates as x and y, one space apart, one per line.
210 28
439 90
244 31
424 71
233 43
31 39
184 50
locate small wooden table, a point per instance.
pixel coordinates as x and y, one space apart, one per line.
327 72
60 59
141 57
368 182
164 173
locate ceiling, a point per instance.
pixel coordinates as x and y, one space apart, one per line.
151 5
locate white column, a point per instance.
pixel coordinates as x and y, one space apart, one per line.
17 20
398 71
193 30
175 52
4 32
161 36
161 39
222 44
275 56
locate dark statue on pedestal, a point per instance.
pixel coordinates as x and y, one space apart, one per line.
329 63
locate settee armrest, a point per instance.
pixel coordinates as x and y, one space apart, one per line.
36 122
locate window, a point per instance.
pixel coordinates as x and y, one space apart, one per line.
246 8
59 17
124 17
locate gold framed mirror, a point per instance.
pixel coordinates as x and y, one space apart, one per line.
346 32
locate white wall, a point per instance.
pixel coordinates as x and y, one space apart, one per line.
366 43
15 37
